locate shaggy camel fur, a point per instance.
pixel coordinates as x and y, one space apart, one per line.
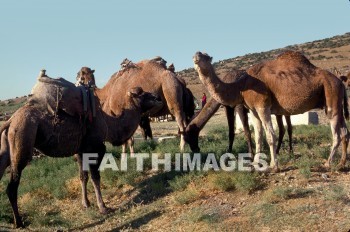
197 124
62 135
288 85
153 76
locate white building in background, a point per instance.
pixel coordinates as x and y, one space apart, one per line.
306 118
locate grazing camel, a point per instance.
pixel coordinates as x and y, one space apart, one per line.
197 124
64 133
288 85
153 76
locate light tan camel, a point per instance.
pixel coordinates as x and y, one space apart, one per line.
288 85
61 134
153 76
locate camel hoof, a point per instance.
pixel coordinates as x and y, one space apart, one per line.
86 204
327 165
275 169
272 169
105 210
18 225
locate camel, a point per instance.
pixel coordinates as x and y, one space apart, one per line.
61 134
343 78
287 85
197 124
153 76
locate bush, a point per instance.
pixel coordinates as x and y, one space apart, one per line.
247 182
223 181
187 196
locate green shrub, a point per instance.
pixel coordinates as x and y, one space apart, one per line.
247 182
223 181
187 196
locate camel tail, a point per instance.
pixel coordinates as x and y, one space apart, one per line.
346 105
4 155
5 126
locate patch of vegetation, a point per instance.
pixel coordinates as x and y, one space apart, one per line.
180 183
336 193
305 163
223 181
187 196
48 175
285 193
200 214
247 182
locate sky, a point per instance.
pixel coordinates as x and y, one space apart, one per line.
62 36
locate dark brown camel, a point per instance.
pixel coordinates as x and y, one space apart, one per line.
63 133
288 85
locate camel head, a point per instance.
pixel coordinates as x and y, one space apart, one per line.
191 136
86 76
202 63
148 102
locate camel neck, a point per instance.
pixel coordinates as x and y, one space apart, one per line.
124 126
224 93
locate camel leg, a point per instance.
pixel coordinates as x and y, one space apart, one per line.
281 132
146 128
243 115
12 193
131 143
290 133
230 116
124 146
339 133
265 117
21 150
174 102
84 177
96 179
258 133
4 154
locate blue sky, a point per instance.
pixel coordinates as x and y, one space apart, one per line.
62 36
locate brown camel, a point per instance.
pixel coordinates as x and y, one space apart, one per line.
153 76
61 134
288 85
197 124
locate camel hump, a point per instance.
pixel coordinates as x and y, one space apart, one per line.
293 57
51 94
160 61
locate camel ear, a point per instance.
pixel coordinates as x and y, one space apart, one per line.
92 71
